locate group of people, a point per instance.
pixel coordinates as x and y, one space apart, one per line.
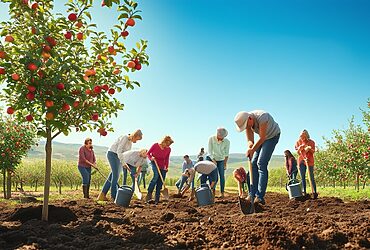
211 165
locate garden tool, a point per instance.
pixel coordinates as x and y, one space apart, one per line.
165 190
246 205
137 192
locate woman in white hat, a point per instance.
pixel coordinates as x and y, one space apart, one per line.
218 149
260 151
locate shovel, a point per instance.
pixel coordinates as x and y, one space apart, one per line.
165 190
247 206
137 192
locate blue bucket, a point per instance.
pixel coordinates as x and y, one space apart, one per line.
124 195
204 195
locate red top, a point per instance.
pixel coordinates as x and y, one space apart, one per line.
240 174
162 156
85 154
303 154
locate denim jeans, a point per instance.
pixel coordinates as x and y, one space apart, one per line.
211 177
141 178
85 174
112 181
124 177
221 172
132 174
156 181
302 169
260 162
180 183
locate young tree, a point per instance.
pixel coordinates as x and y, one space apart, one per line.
15 141
57 80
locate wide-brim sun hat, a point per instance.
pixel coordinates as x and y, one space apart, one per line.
241 120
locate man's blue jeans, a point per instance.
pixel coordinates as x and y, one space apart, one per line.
116 168
180 183
260 162
221 172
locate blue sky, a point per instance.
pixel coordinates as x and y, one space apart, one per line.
305 62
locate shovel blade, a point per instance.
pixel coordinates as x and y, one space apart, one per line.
165 193
138 194
246 206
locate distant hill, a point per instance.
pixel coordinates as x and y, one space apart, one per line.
69 152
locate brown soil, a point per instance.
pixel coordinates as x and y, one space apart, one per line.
325 223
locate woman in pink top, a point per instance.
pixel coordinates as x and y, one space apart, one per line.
160 152
86 160
306 148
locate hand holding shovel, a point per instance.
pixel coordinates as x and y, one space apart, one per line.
137 192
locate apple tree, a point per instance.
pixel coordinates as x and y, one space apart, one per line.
15 141
61 73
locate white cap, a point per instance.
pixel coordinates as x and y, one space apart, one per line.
222 132
241 120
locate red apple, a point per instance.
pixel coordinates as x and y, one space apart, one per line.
46 48
72 17
130 22
10 110
32 66
31 88
25 2
51 41
49 116
88 91
95 117
76 104
124 33
79 24
97 89
66 107
116 71
60 86
102 3
9 39
105 87
111 50
29 118
15 77
34 5
2 54
2 71
49 103
68 35
30 96
111 91
34 30
138 66
80 36
131 64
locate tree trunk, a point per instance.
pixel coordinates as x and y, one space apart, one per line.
35 186
8 185
60 187
4 183
364 185
48 150
357 182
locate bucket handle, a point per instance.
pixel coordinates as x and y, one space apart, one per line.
290 182
126 186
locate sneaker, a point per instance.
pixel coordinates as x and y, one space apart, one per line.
257 201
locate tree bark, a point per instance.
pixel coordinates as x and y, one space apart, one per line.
4 183
48 150
8 185
60 187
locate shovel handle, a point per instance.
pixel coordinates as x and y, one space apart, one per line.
250 170
159 172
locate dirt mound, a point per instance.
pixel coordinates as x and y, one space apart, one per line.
325 223
56 214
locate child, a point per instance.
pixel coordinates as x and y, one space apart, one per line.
291 165
241 177
201 155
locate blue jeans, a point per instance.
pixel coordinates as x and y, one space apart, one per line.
85 174
302 169
132 174
124 178
221 172
260 162
180 183
112 181
141 178
211 177
156 181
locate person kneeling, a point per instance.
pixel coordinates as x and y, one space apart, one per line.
241 178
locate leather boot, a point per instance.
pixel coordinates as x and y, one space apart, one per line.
102 197
88 191
148 197
84 190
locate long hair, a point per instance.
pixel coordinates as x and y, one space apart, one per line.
304 131
167 139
